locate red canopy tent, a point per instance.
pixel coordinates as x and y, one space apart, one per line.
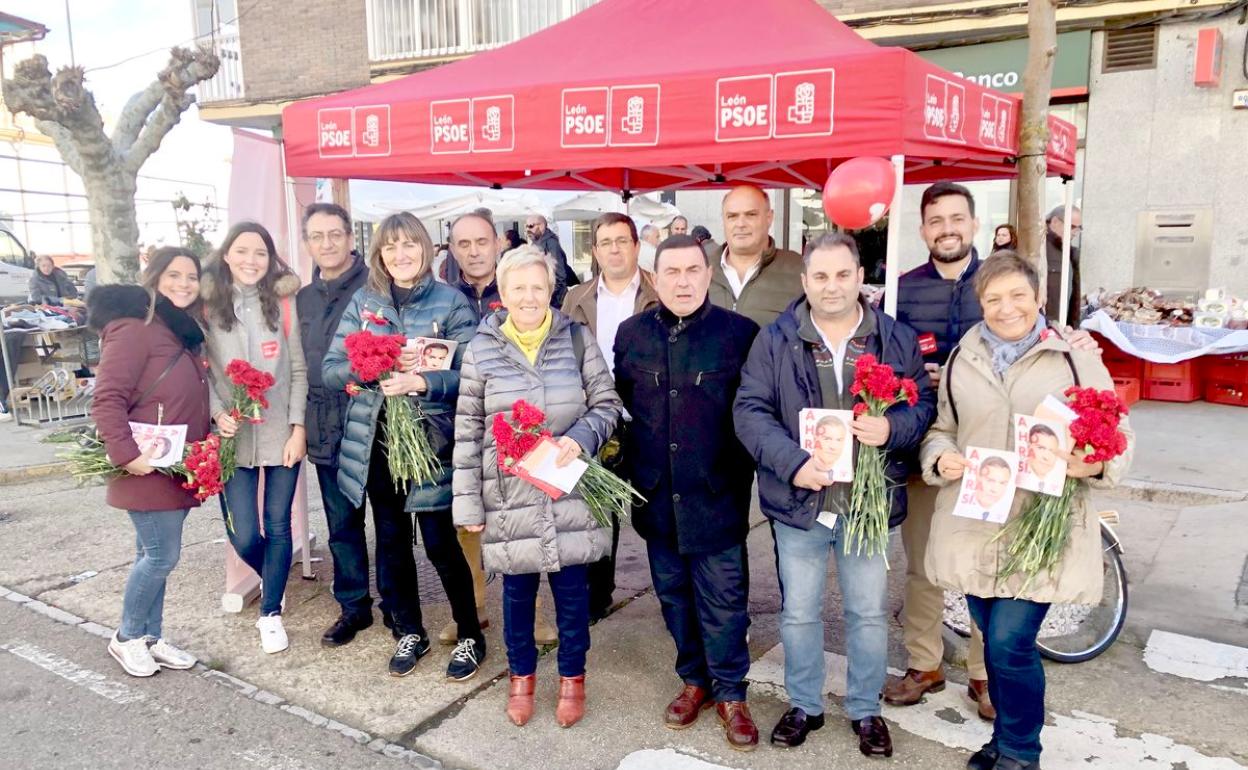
638 95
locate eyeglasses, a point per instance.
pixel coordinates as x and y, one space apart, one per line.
530 227
334 236
619 243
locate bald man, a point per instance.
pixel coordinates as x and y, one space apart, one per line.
752 276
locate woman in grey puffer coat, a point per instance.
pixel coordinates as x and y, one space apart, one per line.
532 352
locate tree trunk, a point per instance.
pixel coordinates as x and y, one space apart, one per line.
1034 131
114 224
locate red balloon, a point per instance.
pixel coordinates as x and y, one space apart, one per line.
859 191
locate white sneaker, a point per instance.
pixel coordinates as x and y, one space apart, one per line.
168 656
133 656
272 636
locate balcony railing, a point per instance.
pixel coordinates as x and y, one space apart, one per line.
425 29
227 84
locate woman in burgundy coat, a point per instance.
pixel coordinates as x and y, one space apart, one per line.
151 372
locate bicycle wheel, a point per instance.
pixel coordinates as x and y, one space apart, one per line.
957 617
1073 633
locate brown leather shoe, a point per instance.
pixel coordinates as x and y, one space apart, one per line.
520 699
873 737
571 705
910 689
977 691
739 727
683 711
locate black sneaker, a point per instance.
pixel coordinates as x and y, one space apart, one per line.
466 660
345 628
411 648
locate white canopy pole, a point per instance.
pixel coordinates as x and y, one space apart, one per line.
1064 304
892 256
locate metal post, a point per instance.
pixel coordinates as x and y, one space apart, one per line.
892 254
1064 304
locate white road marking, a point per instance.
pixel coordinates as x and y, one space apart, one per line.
665 759
1193 658
75 674
1076 740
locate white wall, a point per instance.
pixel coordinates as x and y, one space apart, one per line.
1156 140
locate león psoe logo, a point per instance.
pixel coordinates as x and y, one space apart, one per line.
634 120
493 129
372 131
802 111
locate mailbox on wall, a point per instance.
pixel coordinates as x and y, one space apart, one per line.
1208 72
1173 249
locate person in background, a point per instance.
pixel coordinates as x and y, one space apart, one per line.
250 315
1004 237
704 239
1008 365
514 241
1053 253
339 273
527 351
806 359
649 242
89 282
751 275
150 371
474 247
620 290
685 458
49 284
402 292
540 235
680 225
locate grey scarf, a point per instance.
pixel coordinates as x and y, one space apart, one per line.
1006 352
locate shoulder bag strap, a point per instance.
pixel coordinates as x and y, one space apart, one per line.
152 388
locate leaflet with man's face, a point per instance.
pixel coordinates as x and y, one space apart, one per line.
988 485
826 435
1042 446
434 354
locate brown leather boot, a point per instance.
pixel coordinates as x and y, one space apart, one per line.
520 699
571 705
683 711
977 691
739 728
910 689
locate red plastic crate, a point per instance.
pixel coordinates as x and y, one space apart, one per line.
1128 389
1225 392
1172 390
1230 369
1119 362
1186 371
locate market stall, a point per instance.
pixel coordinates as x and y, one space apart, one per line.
48 356
624 98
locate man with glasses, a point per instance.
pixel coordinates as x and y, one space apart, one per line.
541 236
1053 250
339 272
621 289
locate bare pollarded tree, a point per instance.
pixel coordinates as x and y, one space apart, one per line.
65 110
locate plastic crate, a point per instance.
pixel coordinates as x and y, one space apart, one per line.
1228 369
1226 392
1185 370
1171 390
1128 389
1119 362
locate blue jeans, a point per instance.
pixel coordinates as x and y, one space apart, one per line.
158 540
1015 674
347 543
802 556
267 554
705 598
570 587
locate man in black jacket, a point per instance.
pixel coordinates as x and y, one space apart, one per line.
474 247
540 235
806 359
339 273
677 369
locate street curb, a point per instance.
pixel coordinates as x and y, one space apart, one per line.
26 473
241 688
1182 494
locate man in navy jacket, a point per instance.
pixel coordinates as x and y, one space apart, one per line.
806 360
677 369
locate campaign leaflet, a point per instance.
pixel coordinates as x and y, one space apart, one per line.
165 441
1042 447
433 354
988 485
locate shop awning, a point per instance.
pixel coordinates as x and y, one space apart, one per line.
638 95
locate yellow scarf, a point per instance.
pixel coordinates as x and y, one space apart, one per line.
528 342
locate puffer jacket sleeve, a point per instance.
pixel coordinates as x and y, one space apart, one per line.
298 371
906 423
1094 374
592 429
941 437
467 506
335 369
216 404
122 359
755 408
461 325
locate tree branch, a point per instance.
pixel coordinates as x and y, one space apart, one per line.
185 70
64 144
133 115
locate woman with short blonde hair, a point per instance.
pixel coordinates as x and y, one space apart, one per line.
522 257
